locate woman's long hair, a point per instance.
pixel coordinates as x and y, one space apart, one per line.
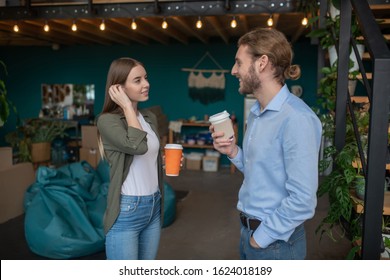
117 74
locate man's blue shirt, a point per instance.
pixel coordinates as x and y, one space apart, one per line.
279 160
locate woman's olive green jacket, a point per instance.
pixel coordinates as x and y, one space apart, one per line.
121 142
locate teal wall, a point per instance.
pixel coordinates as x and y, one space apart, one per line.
29 67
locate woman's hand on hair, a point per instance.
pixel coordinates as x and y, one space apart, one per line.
119 96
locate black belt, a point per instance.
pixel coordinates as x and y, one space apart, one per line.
249 223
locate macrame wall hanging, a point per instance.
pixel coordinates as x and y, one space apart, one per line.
206 85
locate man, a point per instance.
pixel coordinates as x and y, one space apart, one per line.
279 157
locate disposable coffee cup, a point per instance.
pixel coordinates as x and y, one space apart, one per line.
173 155
222 122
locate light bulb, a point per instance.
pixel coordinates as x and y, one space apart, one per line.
16 28
199 24
164 24
233 23
102 26
304 21
134 25
270 21
46 27
74 27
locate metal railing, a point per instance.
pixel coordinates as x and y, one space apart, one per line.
378 93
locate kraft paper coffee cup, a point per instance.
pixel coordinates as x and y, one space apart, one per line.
173 155
222 122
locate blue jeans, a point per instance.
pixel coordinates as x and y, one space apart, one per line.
293 249
135 234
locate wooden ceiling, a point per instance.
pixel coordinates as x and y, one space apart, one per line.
149 30
215 16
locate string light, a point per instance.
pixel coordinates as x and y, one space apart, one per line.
16 28
305 21
134 25
74 26
233 23
102 25
46 27
199 23
164 24
270 21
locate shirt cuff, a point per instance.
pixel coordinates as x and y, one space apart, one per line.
262 239
238 156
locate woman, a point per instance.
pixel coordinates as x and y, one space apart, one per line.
129 141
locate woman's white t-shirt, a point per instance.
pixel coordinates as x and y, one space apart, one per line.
143 176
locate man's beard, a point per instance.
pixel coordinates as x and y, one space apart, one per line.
250 83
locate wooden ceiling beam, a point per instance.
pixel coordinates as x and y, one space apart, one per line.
218 27
121 26
243 23
57 38
171 31
298 34
190 29
93 28
275 18
78 37
90 32
30 31
11 38
152 34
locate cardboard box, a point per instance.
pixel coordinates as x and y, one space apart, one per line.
194 161
210 163
92 156
193 164
14 181
5 157
89 136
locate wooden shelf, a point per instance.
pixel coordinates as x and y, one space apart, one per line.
359 204
203 123
360 77
190 124
198 146
357 164
360 99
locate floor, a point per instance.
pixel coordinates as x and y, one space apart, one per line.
206 226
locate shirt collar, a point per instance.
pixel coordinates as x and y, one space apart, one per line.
275 104
143 112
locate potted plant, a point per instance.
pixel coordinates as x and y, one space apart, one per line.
328 38
386 237
342 183
33 139
5 103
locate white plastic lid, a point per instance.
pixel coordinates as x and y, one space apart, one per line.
173 146
219 117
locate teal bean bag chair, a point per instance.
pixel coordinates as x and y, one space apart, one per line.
169 205
64 212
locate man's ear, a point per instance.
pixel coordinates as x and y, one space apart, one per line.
261 63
